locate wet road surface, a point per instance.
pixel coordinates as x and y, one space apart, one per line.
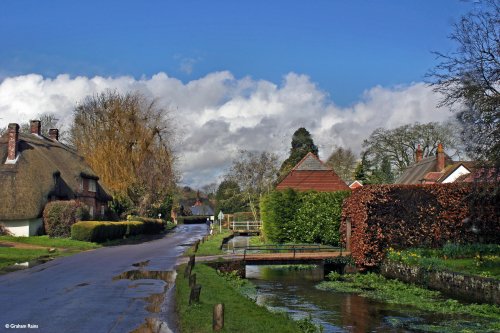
92 291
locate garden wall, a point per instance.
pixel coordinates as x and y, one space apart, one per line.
470 287
377 217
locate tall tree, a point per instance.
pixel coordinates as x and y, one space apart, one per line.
229 198
383 173
343 162
302 143
469 79
400 144
255 173
126 139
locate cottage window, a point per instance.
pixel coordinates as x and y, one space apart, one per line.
92 185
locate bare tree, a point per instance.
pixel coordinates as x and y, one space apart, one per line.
255 173
400 144
343 162
469 78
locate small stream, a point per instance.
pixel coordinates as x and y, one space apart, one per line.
291 289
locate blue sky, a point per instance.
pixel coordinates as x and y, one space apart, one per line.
344 46
234 74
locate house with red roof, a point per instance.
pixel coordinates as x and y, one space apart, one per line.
434 169
311 174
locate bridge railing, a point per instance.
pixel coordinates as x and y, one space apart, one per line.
246 225
289 248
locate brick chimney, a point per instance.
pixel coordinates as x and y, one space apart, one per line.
440 158
419 154
54 134
13 131
35 127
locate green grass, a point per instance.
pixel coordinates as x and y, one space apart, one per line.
63 246
10 256
66 243
393 291
241 313
211 246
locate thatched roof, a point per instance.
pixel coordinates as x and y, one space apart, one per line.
45 168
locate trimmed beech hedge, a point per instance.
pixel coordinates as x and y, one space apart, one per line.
151 225
304 217
403 216
93 231
192 219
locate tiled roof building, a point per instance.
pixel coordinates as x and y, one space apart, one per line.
311 174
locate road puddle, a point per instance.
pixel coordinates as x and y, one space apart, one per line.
147 291
24 265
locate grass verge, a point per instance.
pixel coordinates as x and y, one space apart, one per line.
9 255
396 292
211 246
241 313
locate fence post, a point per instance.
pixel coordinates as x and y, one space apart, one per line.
218 317
192 280
194 296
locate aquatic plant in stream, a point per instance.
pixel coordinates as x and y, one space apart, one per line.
393 291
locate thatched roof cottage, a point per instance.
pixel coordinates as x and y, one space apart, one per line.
35 169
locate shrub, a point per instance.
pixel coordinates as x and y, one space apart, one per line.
93 231
403 216
244 216
151 225
4 231
59 216
192 219
305 217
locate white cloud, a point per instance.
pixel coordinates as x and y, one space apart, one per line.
219 114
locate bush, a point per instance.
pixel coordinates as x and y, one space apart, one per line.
404 216
244 216
4 231
93 231
192 219
151 225
304 217
59 216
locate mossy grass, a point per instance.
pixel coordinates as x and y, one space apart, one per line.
396 292
241 313
62 246
211 246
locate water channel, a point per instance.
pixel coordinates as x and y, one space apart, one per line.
292 290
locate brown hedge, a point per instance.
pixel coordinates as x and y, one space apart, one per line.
402 216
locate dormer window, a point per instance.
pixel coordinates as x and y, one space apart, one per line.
92 185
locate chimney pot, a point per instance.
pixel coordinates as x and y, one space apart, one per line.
440 158
419 154
35 127
13 135
54 134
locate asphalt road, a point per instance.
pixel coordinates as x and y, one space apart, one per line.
92 291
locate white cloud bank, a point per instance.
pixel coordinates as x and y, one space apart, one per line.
219 114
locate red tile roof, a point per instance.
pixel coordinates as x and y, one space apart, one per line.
311 174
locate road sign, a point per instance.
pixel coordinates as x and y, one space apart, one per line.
221 216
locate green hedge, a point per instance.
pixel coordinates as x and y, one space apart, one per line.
151 225
304 217
192 219
244 216
93 231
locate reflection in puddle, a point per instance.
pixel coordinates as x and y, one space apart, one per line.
24 265
147 283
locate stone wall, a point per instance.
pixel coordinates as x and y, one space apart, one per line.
469 287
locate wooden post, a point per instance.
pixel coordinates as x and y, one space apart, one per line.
196 244
192 280
189 266
218 317
194 296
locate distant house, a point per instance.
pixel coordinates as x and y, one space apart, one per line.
434 169
311 174
34 170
